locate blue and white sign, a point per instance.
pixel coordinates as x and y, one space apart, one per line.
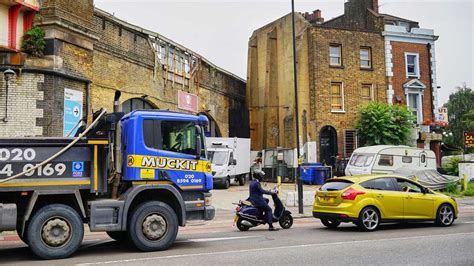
77 169
72 111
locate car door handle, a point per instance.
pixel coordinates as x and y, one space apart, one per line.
379 196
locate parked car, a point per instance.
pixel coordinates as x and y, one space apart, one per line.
368 200
388 158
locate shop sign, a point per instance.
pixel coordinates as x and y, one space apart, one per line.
187 101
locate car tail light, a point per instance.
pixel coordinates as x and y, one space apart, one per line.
237 209
351 194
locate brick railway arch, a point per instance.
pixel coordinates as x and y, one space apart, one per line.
212 129
137 104
328 145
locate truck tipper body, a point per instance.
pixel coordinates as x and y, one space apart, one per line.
137 177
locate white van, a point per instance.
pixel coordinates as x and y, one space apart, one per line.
230 159
386 159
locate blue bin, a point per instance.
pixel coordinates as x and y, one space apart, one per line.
320 174
310 173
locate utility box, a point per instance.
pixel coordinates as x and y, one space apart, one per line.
466 168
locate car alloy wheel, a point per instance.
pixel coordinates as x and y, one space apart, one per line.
369 219
445 215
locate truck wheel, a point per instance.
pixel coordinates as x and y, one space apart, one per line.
153 226
242 180
227 183
55 231
120 236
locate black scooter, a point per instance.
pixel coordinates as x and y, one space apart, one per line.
246 215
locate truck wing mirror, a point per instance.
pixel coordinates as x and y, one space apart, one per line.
234 162
198 142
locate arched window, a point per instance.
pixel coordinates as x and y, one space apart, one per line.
212 129
136 104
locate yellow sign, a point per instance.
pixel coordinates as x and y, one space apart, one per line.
147 173
156 162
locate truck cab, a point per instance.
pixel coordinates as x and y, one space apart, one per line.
163 145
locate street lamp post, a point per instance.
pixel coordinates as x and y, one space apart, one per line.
8 75
298 179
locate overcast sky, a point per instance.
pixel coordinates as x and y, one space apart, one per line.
219 29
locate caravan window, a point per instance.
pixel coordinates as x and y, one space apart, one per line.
423 158
386 160
361 160
406 159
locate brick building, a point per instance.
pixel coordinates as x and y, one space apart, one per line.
92 54
339 69
342 64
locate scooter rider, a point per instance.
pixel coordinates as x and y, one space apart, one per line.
256 197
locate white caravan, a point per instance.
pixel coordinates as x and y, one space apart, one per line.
230 158
387 159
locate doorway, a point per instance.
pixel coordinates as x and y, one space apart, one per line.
328 145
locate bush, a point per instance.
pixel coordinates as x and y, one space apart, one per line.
452 167
382 123
33 41
452 188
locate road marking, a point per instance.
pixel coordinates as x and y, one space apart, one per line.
197 240
273 248
470 222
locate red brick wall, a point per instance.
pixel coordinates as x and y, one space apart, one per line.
399 72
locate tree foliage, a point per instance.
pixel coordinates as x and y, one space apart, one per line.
33 41
461 114
382 123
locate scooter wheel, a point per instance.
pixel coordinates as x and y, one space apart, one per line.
242 227
286 221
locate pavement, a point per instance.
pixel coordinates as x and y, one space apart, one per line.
223 199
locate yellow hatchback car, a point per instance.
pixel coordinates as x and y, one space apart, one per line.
368 200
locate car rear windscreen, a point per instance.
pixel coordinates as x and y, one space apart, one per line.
336 185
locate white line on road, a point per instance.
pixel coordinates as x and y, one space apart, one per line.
213 239
273 248
469 222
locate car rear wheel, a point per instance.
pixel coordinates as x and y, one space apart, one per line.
330 223
369 219
445 215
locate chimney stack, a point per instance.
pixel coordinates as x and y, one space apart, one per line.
315 17
375 6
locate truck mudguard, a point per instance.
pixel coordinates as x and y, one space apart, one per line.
131 194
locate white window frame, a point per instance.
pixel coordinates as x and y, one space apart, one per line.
419 109
417 65
369 49
343 110
331 55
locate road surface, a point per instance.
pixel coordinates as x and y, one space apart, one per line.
307 242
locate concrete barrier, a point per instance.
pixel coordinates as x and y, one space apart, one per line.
292 198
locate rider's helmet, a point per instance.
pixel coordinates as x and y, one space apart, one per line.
258 174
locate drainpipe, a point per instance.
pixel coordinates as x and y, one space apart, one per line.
431 83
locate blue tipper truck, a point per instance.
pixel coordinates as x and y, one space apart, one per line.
136 176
